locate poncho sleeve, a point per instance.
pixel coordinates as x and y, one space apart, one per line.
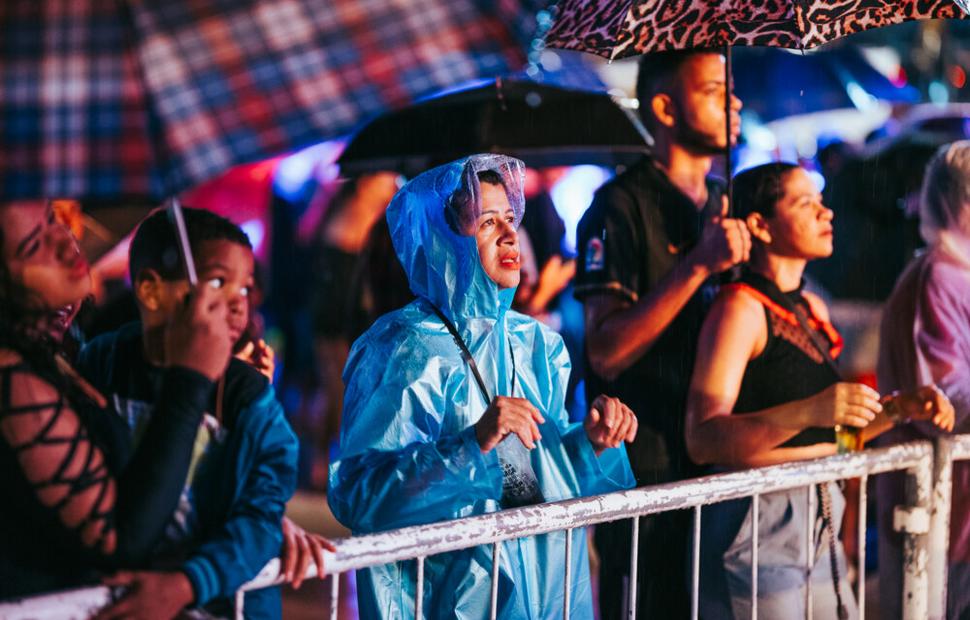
567 442
399 464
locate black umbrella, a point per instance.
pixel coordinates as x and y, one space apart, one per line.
542 125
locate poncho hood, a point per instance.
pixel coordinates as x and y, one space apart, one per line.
443 266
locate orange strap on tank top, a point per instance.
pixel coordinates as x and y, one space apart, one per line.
788 316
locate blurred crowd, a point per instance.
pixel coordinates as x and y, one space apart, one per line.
433 348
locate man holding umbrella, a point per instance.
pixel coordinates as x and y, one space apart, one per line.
650 247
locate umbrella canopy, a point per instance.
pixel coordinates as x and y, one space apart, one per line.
826 80
109 98
620 28
100 230
541 124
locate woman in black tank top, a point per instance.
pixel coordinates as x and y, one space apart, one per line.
766 390
790 367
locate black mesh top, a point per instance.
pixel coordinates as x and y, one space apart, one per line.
69 507
790 367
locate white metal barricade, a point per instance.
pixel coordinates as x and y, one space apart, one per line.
920 580
947 450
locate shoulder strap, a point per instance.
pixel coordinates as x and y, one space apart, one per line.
795 314
816 340
467 355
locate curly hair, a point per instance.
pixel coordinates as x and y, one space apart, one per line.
155 244
20 313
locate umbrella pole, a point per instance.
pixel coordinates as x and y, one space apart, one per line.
181 233
728 94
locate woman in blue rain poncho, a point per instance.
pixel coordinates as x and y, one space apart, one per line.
423 440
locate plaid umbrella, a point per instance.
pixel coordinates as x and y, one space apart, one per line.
620 28
109 98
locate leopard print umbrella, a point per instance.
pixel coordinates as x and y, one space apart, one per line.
621 28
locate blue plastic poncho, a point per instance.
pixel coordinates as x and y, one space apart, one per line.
408 452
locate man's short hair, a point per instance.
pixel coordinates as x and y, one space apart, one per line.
656 74
155 245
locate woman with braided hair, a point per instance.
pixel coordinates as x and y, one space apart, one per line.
69 508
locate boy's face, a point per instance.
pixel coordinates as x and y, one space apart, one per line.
222 265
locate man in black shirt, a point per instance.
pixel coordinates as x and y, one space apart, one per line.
650 246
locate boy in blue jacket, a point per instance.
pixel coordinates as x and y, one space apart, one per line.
228 523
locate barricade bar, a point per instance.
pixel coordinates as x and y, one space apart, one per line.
695 566
811 509
79 604
496 561
755 515
567 587
419 588
334 595
427 540
631 604
959 447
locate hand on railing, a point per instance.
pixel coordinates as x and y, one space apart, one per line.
508 415
299 549
609 423
151 595
926 403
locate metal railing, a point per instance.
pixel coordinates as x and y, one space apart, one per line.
917 459
947 450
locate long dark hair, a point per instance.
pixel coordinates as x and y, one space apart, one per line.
20 315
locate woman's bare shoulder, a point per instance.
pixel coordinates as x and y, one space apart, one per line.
737 320
736 303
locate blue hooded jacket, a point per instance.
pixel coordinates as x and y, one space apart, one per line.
408 451
238 490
